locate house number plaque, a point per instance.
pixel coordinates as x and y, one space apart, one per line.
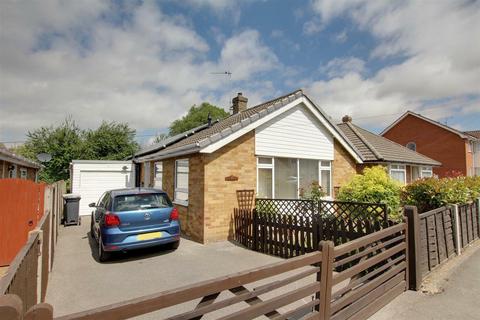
231 178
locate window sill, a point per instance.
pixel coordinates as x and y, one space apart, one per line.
180 203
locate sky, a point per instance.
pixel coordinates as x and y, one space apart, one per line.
147 62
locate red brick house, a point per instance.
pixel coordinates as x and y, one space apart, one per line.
459 152
15 166
276 149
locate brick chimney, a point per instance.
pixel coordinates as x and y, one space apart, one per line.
239 103
346 118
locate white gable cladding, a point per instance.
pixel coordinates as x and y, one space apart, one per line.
296 133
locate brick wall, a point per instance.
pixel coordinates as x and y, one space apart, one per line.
191 217
235 159
344 166
31 172
432 141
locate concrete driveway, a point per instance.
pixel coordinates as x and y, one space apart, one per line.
79 282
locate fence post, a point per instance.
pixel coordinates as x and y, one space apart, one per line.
40 265
11 307
478 216
325 277
457 230
413 250
255 229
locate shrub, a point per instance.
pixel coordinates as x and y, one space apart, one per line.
374 186
315 192
431 193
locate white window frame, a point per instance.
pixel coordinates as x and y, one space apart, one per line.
271 166
182 190
12 174
395 167
424 170
158 178
23 173
324 168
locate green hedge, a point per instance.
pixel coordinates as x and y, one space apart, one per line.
431 193
374 186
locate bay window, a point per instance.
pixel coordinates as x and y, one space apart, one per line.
284 178
181 181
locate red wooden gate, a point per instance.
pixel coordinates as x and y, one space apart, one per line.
21 208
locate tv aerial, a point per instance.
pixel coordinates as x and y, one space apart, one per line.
227 73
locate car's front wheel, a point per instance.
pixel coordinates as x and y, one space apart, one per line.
102 255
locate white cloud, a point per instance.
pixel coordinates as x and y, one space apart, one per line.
244 54
341 66
312 26
434 41
146 71
341 37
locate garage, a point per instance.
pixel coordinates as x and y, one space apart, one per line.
91 178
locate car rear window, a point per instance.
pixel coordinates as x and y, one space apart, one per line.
143 201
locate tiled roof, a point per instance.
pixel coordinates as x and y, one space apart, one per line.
170 140
375 148
17 159
230 121
474 133
225 127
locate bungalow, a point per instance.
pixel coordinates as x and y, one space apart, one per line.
402 163
15 166
275 148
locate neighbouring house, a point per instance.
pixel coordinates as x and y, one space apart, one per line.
459 152
402 163
275 148
15 166
91 178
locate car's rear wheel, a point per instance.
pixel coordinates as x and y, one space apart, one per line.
91 228
174 245
102 255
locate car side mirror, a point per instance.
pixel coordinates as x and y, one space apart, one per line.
92 205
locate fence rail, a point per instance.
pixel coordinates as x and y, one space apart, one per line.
288 228
353 279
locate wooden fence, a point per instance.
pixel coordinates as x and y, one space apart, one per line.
21 208
288 228
438 235
307 286
27 275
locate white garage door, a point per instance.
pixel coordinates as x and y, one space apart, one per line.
94 183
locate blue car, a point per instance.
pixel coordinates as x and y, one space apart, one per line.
133 218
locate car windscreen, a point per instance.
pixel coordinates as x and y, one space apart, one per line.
132 202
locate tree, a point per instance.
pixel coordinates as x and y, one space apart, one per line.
196 116
110 141
66 142
63 143
160 137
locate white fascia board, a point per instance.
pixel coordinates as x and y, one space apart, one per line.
252 125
